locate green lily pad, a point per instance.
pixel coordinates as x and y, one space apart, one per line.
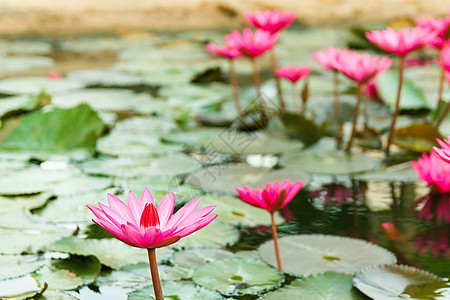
25 47
198 257
234 211
85 267
417 137
314 253
16 64
166 273
400 281
18 265
34 85
412 97
78 128
215 235
23 202
132 168
55 295
176 290
330 162
110 252
58 279
237 276
226 178
145 126
18 104
106 77
299 127
403 172
326 286
19 288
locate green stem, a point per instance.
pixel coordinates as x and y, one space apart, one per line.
234 86
275 242
355 117
257 82
273 58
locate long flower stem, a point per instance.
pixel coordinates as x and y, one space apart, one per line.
234 86
273 58
366 113
441 88
443 115
155 275
257 82
295 98
397 103
355 117
337 109
275 242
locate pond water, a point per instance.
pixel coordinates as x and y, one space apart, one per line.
167 122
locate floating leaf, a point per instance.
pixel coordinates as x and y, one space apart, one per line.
77 128
106 77
412 97
327 286
15 105
198 257
403 172
23 202
330 162
18 265
215 235
417 137
299 127
167 273
58 279
34 85
176 290
226 178
110 252
16 64
237 276
400 281
55 295
84 267
21 287
314 253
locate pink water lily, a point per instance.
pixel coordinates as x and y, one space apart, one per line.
329 58
140 224
252 44
402 42
226 51
270 20
434 171
444 151
293 73
444 60
439 25
362 67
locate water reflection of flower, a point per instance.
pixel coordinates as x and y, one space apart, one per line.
337 194
436 205
438 240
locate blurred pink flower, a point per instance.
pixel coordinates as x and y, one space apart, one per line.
140 224
440 26
444 151
361 67
417 62
251 44
434 171
329 58
54 75
293 73
273 197
436 206
269 20
391 231
444 61
402 42
229 52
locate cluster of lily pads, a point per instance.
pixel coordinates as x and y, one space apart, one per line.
164 120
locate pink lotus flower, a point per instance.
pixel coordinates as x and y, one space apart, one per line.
269 20
402 42
252 44
54 75
227 51
362 68
434 171
273 197
444 61
440 26
444 151
329 58
293 73
140 224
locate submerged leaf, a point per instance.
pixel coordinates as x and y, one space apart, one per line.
417 137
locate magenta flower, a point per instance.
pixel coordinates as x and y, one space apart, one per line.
434 171
440 26
269 20
362 68
140 224
329 58
273 197
252 44
226 51
444 61
402 42
293 73
444 151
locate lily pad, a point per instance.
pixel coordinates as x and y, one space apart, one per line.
24 47
110 252
78 128
314 253
166 273
18 265
58 279
234 211
84 267
19 104
23 202
21 287
327 286
330 162
237 276
215 235
105 77
403 172
55 295
197 257
400 281
417 137
16 64
145 126
226 178
176 290
132 168
34 85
